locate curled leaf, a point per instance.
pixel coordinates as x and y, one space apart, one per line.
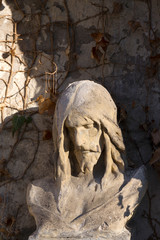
97 36
40 99
46 105
103 44
96 54
100 46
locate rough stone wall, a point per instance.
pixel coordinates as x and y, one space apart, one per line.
44 45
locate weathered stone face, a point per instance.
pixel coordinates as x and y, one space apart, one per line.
87 139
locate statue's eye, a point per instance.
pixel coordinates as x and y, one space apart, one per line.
93 129
88 126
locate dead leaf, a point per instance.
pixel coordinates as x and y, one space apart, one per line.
155 157
46 105
117 7
134 25
97 36
47 135
156 136
96 54
40 99
100 46
103 44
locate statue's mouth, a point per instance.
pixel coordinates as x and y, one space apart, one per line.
85 151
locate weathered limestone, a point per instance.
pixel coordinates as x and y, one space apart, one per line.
92 196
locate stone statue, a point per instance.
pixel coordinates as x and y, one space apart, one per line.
92 195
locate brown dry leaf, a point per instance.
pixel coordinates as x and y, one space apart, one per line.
156 136
47 135
155 157
117 7
40 99
134 25
103 44
96 54
97 36
46 105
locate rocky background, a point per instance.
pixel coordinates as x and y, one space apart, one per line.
46 44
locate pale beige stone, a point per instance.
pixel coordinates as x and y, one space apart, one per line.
92 196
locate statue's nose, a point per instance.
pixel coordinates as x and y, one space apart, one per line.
79 138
